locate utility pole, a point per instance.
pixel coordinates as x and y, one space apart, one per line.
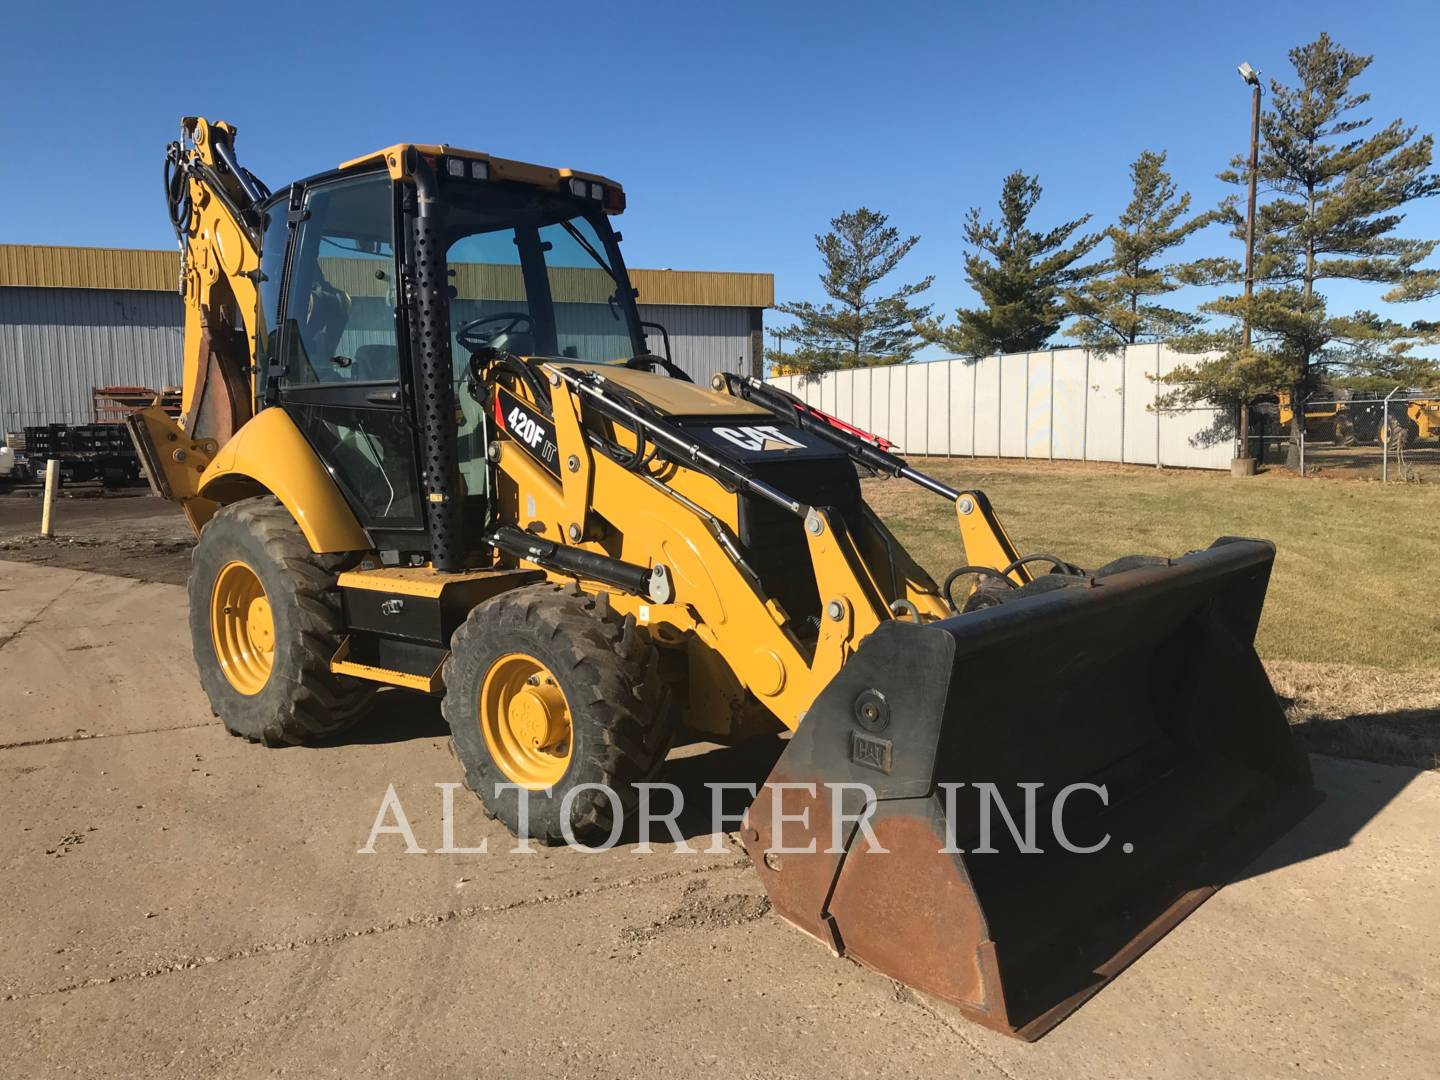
1251 77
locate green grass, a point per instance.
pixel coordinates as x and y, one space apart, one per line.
1355 577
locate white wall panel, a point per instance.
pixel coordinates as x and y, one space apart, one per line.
861 398
961 394
1202 437
896 428
987 406
880 401
1141 421
1014 386
1038 404
937 407
1070 404
1105 422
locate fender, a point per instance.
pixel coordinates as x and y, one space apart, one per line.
269 453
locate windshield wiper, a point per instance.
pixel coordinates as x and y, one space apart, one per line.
579 238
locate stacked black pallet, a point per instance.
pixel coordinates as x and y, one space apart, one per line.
47 441
85 452
101 439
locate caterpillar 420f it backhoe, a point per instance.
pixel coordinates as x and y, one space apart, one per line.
424 445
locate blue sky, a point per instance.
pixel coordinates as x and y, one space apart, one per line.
738 129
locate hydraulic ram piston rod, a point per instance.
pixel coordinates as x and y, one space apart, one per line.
810 419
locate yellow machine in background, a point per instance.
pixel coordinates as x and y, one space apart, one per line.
1321 418
1424 415
1359 418
425 445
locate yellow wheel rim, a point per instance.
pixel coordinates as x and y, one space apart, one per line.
242 628
526 721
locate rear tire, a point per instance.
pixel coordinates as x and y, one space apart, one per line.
614 703
251 556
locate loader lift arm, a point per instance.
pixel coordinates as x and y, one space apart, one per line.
778 662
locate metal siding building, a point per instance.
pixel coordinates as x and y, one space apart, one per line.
708 339
57 344
72 319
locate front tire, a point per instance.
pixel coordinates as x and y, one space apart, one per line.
264 623
551 690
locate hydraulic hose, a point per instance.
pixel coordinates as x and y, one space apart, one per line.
960 571
177 193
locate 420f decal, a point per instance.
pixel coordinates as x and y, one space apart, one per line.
524 424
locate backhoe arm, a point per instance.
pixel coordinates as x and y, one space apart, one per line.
214 208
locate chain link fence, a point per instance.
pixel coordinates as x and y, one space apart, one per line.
1392 437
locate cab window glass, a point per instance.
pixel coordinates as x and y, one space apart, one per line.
488 302
272 267
342 286
589 321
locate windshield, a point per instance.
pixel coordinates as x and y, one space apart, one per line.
536 274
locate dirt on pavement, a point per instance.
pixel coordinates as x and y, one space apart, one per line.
127 533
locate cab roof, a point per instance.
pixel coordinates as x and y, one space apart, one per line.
395 159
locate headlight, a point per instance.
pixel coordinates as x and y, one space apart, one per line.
461 167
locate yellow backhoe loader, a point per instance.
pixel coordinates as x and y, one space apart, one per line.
424 445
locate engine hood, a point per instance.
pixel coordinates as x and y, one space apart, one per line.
675 397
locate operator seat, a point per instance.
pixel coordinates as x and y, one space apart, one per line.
327 310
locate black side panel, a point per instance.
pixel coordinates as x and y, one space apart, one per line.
775 538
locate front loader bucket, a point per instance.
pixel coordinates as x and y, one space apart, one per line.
1144 683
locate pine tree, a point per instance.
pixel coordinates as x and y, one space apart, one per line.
1118 305
1019 274
858 329
1334 196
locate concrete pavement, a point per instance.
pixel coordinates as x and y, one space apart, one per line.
174 898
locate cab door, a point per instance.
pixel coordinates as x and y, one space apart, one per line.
344 379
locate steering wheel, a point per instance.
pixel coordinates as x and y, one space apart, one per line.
473 338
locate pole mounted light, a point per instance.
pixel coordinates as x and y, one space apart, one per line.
1252 79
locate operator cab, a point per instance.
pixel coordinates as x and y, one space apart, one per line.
533 269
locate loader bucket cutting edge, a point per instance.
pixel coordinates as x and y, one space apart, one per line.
1145 682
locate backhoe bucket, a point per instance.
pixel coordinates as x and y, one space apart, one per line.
1143 684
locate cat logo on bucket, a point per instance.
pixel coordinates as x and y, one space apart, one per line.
766 439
